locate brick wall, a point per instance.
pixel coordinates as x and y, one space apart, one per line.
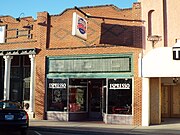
113 31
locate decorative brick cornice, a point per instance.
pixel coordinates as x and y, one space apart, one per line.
18 52
18 42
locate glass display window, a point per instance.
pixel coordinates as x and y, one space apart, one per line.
120 96
57 95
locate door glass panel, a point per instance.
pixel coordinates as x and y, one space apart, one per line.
77 99
77 95
95 87
95 98
95 95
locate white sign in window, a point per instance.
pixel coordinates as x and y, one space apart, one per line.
2 34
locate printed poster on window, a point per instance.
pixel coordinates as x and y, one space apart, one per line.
57 86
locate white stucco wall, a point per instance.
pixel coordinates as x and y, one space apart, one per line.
157 22
173 23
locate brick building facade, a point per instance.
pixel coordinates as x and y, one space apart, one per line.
63 77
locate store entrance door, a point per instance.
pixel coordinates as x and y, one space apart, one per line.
95 98
170 101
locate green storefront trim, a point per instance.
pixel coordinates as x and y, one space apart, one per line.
90 56
88 75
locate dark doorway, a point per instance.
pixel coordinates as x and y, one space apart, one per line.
170 99
95 87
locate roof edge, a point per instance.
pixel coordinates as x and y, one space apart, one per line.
85 7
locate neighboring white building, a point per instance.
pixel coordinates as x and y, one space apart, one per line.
160 61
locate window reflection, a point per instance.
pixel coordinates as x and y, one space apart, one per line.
77 99
77 95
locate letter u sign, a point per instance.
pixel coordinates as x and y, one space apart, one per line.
176 53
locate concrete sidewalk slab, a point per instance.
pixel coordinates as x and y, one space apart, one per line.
173 129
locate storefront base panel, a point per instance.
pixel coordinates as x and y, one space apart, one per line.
78 116
64 116
117 119
107 118
59 116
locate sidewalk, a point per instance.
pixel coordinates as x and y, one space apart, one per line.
167 128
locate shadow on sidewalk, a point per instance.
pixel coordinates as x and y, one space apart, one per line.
167 121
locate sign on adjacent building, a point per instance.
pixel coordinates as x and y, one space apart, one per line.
79 26
176 53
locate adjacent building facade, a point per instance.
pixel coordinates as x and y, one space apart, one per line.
160 61
88 73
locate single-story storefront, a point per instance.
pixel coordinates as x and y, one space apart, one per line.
161 86
79 89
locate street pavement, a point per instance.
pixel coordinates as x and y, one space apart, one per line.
47 127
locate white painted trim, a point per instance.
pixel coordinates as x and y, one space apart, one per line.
31 105
7 72
145 102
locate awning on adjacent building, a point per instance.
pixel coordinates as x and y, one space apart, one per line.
161 62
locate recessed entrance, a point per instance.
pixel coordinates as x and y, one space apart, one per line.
95 99
170 98
86 95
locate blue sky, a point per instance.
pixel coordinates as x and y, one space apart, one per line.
23 8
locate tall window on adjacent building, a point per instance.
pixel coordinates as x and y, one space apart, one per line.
150 22
120 96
